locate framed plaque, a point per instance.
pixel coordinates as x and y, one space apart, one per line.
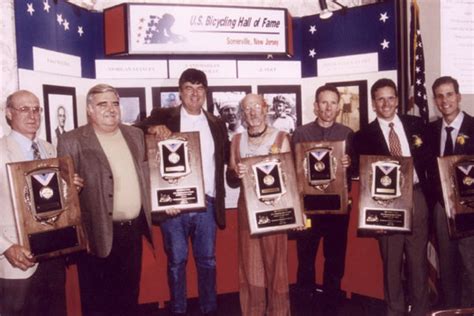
386 193
46 203
176 172
323 181
271 194
457 183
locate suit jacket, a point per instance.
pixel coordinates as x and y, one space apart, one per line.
433 136
170 117
96 197
370 141
10 151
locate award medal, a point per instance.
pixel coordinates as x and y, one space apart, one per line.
173 157
267 169
386 180
45 192
319 165
467 180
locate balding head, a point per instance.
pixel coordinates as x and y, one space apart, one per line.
23 113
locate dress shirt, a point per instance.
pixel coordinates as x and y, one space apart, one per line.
198 123
456 125
25 144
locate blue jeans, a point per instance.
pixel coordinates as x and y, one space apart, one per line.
201 228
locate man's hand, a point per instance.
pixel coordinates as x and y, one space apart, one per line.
78 182
173 211
160 131
241 170
346 161
19 257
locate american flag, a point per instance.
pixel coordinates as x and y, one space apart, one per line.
417 64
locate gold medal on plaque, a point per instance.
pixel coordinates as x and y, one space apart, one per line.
174 158
385 181
319 166
268 180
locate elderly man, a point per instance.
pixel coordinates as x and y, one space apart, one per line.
453 134
332 228
26 287
115 204
200 227
230 113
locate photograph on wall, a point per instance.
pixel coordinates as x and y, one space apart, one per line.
132 105
352 103
224 102
284 106
60 111
165 97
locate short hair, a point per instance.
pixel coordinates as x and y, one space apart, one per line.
382 83
445 80
11 99
326 87
280 99
98 89
195 76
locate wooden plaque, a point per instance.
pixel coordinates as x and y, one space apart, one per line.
46 204
271 194
386 193
176 172
457 183
322 178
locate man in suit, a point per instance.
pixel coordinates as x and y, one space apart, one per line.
332 228
393 135
61 116
456 256
115 204
200 227
26 287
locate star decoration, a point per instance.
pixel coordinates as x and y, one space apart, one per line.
30 9
46 6
385 44
66 25
418 81
80 30
383 17
417 69
59 18
312 29
312 53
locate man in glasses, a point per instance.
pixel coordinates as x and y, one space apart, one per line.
26 287
200 227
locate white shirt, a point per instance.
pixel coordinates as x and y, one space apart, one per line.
398 127
456 124
25 145
198 123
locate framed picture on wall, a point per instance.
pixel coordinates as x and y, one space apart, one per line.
60 111
353 103
132 104
165 97
284 106
224 102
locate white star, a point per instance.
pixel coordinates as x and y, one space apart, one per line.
417 69
383 17
424 96
420 44
66 25
30 9
419 94
80 30
417 57
312 29
59 18
418 81
312 53
385 44
46 6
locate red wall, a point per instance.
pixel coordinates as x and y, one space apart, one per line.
363 274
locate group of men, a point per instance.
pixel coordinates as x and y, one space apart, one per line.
112 178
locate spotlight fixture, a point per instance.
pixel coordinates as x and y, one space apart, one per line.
325 13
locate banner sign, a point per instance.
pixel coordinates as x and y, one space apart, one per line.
189 29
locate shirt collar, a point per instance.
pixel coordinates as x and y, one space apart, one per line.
24 142
190 117
384 123
456 123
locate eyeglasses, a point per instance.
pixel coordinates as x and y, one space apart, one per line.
257 108
27 109
191 90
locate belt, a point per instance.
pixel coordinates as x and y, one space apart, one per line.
126 223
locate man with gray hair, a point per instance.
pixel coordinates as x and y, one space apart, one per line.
115 204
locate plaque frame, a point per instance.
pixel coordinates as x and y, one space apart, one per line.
459 209
56 229
332 191
392 214
186 190
275 214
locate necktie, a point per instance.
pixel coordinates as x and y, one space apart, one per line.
36 152
394 142
448 146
